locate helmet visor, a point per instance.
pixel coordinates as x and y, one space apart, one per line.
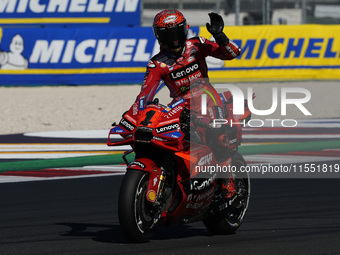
173 37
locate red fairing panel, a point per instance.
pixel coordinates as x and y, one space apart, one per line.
147 165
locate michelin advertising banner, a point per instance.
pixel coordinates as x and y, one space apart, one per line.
101 55
281 52
70 12
75 56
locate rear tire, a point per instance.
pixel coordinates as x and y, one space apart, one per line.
230 219
135 213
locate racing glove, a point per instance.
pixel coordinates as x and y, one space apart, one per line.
216 29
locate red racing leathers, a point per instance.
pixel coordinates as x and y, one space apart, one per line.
186 76
178 73
182 74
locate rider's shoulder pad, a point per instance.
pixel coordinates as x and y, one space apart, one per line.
151 64
201 39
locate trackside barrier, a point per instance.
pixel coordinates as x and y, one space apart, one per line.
281 52
119 55
70 12
89 55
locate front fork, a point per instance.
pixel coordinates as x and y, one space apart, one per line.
157 179
160 189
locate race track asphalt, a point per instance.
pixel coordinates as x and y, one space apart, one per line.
79 216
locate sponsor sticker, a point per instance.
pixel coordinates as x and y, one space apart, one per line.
185 71
167 128
127 124
137 163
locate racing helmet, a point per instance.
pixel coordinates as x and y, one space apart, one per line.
171 30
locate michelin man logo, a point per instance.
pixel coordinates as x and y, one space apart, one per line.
14 60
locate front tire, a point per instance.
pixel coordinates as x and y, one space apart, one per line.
229 220
136 214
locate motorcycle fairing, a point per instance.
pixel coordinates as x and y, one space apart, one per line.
175 134
192 206
172 106
200 155
118 130
196 193
147 165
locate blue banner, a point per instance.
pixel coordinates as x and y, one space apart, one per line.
89 55
68 12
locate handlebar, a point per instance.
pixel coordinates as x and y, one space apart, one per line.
199 123
155 101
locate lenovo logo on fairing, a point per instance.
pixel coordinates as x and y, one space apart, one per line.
127 124
167 128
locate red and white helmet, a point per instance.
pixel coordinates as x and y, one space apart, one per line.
171 30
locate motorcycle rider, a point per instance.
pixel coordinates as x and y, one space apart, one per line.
182 66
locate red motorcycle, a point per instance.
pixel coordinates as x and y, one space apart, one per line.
161 185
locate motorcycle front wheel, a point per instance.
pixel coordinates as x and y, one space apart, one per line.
229 220
136 215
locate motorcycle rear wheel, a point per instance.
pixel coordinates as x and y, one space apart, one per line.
229 220
136 216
